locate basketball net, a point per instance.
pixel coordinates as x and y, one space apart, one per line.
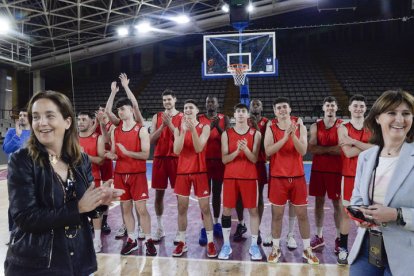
238 72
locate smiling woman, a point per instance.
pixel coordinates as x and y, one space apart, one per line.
52 194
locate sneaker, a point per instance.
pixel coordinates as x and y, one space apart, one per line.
159 234
180 249
317 242
310 257
106 229
268 241
141 234
150 248
291 242
211 250
254 252
342 256
337 246
121 232
274 255
131 245
97 245
240 230
202 240
217 230
259 239
176 239
225 252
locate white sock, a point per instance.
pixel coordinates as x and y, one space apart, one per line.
216 220
147 237
306 243
226 235
276 242
338 233
209 236
181 236
319 231
159 221
292 221
97 234
254 239
131 236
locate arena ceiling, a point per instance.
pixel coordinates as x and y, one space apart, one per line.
88 27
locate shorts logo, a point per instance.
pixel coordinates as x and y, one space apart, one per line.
205 193
144 194
251 132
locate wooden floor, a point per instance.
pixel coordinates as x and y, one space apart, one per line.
115 264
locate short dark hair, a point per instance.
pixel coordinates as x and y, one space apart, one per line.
281 100
389 100
23 109
240 106
191 101
102 105
86 113
168 92
329 99
122 102
357 97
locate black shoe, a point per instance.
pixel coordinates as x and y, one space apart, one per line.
106 229
342 256
240 230
259 239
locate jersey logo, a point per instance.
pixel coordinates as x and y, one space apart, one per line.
136 128
262 123
200 125
221 116
94 135
205 193
144 194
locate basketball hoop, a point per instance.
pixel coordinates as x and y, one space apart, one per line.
238 72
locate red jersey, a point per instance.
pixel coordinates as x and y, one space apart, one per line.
241 167
327 137
107 127
214 140
287 162
189 161
262 128
165 143
90 147
131 141
349 164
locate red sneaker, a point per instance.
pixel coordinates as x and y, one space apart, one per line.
336 246
131 245
180 249
151 250
317 242
211 250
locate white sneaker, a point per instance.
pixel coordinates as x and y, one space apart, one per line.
141 234
268 241
159 234
291 242
97 245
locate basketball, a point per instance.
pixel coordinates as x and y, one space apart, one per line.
210 62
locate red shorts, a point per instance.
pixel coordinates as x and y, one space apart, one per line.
215 169
347 187
199 180
261 173
324 182
162 170
97 183
107 170
246 188
282 189
135 185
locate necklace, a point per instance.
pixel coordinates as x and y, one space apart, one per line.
396 151
54 159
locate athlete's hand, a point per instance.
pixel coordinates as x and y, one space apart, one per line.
242 144
114 87
99 115
214 122
189 124
166 119
110 155
293 127
346 141
124 80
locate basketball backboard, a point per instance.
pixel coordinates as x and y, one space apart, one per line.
257 50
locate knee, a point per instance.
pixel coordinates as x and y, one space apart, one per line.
319 202
205 209
301 215
182 209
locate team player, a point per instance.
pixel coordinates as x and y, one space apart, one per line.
286 143
215 168
240 148
190 145
130 148
164 166
93 145
353 139
326 172
258 122
123 78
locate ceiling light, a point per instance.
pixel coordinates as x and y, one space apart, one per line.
4 26
181 19
225 8
250 7
122 31
143 27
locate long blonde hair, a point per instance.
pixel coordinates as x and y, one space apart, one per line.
71 152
